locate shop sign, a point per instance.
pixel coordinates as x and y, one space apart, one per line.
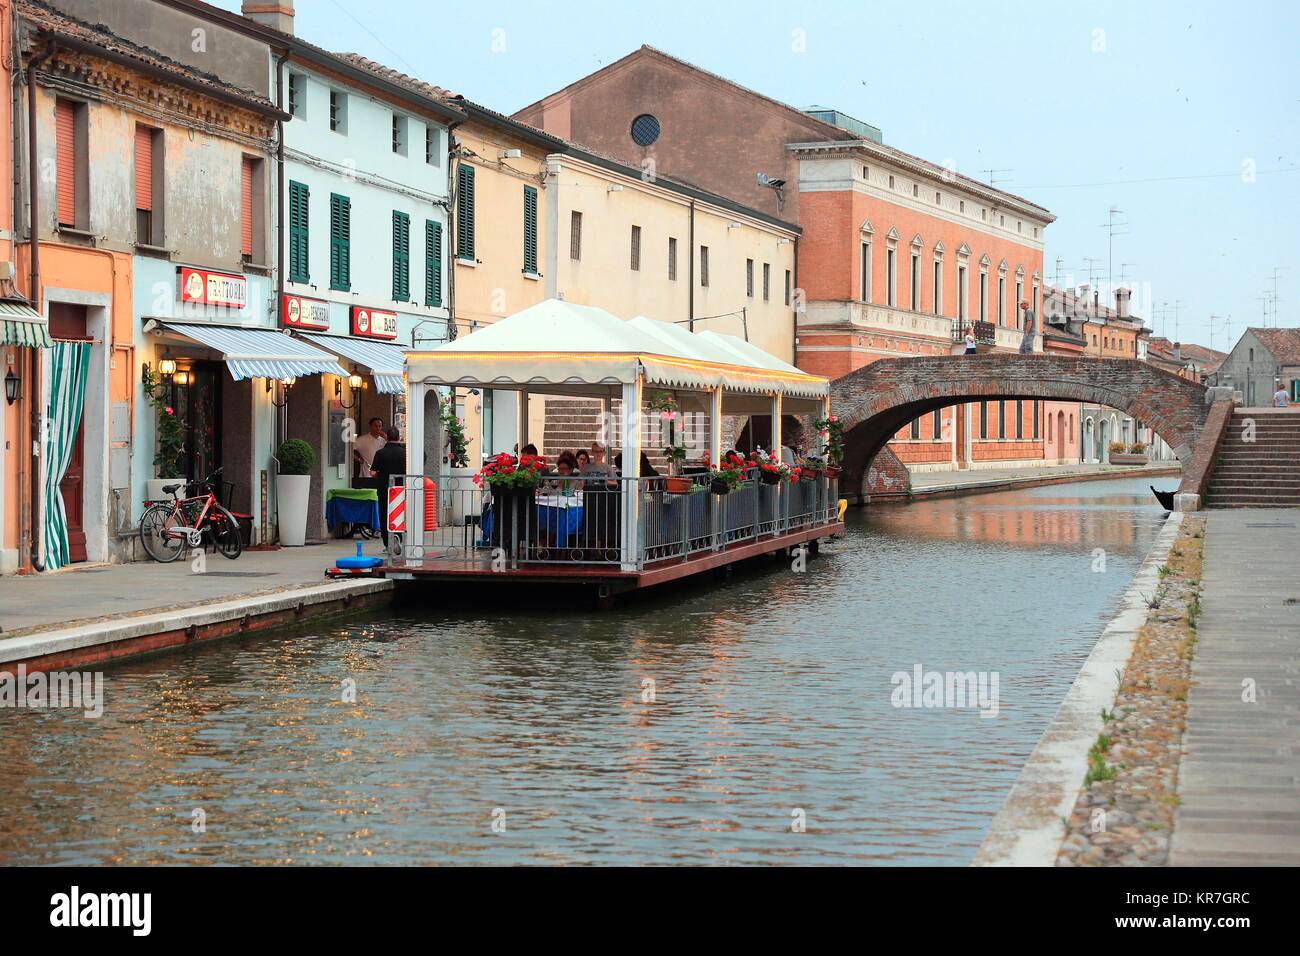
374 323
202 287
299 312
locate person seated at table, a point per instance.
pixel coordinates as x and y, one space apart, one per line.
596 464
565 466
529 449
389 460
583 459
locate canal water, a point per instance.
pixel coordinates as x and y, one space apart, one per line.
746 721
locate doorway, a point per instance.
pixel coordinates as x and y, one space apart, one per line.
68 322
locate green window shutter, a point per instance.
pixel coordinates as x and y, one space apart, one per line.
401 256
530 229
433 263
340 243
464 211
298 234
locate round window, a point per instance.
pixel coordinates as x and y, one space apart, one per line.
645 130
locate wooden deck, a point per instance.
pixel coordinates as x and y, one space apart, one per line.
609 577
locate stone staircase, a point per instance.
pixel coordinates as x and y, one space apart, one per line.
1263 473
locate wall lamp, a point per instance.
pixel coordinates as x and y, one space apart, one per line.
167 364
355 382
183 377
285 385
13 387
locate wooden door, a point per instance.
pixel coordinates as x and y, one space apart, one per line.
69 322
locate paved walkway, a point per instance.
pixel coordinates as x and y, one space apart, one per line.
81 593
1239 781
932 482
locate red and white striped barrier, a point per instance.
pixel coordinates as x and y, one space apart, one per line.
397 510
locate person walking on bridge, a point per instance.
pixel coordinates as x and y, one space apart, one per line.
1027 343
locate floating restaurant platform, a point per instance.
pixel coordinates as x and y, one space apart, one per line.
619 531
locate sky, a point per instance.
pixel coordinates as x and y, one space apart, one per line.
1184 116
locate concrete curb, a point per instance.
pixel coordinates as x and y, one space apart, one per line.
1027 830
94 641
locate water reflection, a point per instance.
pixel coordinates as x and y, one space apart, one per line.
771 694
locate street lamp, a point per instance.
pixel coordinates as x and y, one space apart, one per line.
355 382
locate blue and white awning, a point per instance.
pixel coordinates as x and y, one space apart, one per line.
259 353
384 359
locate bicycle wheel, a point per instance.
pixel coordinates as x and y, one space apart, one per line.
154 524
225 532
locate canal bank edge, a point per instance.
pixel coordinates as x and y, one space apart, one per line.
101 641
1027 830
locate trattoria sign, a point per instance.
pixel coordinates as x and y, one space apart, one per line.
299 312
374 323
202 287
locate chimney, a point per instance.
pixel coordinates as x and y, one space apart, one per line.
1121 302
1178 351
276 14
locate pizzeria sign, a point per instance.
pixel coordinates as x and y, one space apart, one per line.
299 312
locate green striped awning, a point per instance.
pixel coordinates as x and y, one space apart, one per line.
20 324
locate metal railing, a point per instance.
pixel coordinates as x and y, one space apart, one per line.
580 520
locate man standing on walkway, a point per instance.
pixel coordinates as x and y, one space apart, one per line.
390 460
1027 343
366 447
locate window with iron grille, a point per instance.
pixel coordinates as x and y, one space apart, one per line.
1002 419
338 111
672 259
340 243
530 230
1020 418
465 212
936 426
704 265
298 233
297 95
636 248
749 278
787 286
916 429
401 257
984 419
645 130
575 236
767 281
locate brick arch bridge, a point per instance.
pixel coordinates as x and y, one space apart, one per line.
877 400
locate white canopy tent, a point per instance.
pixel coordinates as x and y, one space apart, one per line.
560 348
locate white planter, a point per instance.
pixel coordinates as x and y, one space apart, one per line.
291 495
458 498
153 490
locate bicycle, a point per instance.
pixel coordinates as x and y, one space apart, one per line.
167 528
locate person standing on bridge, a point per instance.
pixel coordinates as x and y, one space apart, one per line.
970 341
1027 343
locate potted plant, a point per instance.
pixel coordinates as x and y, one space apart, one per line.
293 490
730 473
1135 454
674 451
513 483
811 467
771 470
170 457
832 434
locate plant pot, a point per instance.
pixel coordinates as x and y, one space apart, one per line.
719 487
832 471
510 512
807 475
677 485
1125 458
154 488
291 496
769 477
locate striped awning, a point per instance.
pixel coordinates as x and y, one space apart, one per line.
20 324
259 353
384 359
